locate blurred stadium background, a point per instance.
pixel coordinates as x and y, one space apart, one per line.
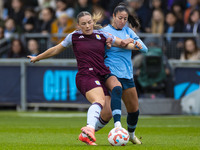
167 78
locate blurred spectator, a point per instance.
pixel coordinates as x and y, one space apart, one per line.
33 48
142 12
46 3
169 3
1 22
83 5
172 25
10 29
158 4
173 45
1 9
62 6
4 7
194 4
157 24
3 43
178 10
62 25
28 13
1 33
29 26
191 51
29 21
193 25
17 49
46 19
17 12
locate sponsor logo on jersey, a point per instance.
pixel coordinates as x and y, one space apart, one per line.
97 82
81 37
98 37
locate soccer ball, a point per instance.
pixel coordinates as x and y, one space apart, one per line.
118 137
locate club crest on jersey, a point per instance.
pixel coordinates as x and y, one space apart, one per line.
98 37
97 82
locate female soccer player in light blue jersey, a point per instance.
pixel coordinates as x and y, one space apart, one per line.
119 62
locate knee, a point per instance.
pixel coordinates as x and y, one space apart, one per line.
117 90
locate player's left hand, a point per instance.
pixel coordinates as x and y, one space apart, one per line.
109 43
138 45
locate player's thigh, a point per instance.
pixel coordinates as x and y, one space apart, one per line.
130 99
106 113
111 82
96 95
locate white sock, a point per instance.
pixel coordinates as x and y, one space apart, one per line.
117 124
131 134
93 114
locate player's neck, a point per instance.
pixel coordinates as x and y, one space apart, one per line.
113 25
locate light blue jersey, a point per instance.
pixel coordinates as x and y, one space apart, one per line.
118 59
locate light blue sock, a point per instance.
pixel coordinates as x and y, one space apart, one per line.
93 114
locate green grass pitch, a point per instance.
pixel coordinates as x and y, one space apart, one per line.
59 131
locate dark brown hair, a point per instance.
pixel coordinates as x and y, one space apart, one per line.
131 19
186 53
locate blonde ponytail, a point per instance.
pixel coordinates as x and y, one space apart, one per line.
96 18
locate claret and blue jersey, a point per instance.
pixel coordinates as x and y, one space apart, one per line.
89 49
118 59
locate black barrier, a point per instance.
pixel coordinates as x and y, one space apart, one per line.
10 84
47 84
187 80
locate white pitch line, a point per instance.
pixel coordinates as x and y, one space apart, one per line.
68 115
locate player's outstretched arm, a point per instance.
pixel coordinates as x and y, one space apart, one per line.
48 53
129 44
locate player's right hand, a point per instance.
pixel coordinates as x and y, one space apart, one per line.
33 58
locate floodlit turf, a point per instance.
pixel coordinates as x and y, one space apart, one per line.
59 131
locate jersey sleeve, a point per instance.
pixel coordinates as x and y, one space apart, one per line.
108 35
67 41
135 37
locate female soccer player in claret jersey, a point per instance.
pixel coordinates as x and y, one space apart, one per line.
89 48
119 62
